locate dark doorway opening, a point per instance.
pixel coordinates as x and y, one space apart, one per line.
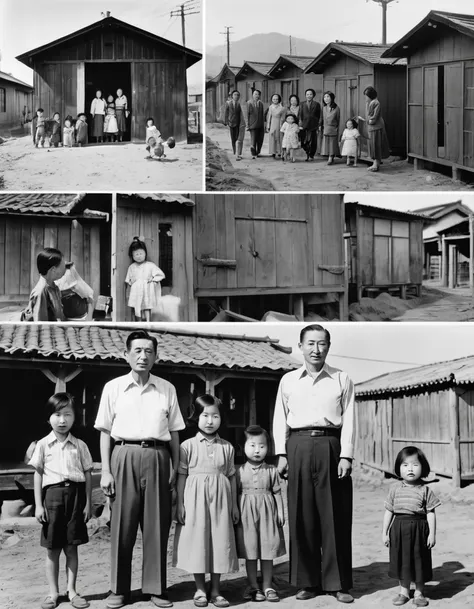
441 111
108 77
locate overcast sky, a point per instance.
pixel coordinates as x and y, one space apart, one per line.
28 24
410 201
366 350
320 20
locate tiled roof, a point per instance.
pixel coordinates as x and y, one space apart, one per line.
260 67
40 203
458 372
160 197
94 342
300 61
363 51
420 34
10 78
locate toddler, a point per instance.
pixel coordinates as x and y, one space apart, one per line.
55 138
40 132
350 142
143 278
68 133
81 130
291 141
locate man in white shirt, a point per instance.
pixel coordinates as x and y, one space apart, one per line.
140 412
313 430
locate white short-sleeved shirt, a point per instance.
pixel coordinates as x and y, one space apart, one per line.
129 411
59 461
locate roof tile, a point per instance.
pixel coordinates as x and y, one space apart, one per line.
40 203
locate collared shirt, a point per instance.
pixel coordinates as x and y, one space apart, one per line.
59 461
254 478
202 455
129 411
304 401
406 498
121 103
98 106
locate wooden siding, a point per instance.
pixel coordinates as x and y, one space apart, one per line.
56 89
466 427
347 66
448 46
22 238
254 80
16 97
276 241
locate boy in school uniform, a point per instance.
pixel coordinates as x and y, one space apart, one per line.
45 298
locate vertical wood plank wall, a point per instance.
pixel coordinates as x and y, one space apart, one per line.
15 98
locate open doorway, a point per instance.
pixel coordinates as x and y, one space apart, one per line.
108 77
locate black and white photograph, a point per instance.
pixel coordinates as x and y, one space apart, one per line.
360 95
100 99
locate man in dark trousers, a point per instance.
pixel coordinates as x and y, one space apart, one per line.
233 118
310 117
313 429
255 123
140 412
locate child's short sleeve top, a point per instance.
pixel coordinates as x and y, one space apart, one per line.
201 455
411 499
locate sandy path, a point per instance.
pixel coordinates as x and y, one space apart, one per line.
317 176
22 565
98 167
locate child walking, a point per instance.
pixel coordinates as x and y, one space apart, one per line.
291 140
63 488
206 504
144 279
45 298
259 533
350 142
409 525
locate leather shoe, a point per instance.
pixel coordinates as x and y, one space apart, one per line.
307 593
115 601
161 601
344 597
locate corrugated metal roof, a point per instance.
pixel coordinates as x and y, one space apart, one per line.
458 372
40 203
160 197
10 78
362 51
91 342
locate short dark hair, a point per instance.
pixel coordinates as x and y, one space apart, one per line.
297 98
370 92
202 402
312 91
137 243
48 258
81 114
410 451
332 96
58 401
257 91
54 114
353 121
235 91
314 328
255 430
40 110
150 118
141 335
278 95
291 114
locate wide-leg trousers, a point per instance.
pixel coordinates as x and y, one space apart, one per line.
319 514
142 497
256 139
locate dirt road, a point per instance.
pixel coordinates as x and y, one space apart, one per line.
315 176
98 168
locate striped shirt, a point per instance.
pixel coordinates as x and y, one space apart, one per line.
406 498
59 461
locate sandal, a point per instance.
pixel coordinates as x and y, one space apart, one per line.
200 600
271 595
49 603
219 601
78 602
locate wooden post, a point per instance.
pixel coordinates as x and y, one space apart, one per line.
113 265
252 403
452 266
471 253
455 437
444 262
62 378
81 88
298 307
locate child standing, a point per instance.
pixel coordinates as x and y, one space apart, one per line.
350 141
40 131
63 488
56 130
206 504
144 279
45 298
291 140
259 534
409 525
110 122
81 130
68 133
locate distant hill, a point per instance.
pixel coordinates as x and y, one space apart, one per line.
259 47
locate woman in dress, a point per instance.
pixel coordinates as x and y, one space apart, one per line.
330 119
275 119
121 110
98 109
379 147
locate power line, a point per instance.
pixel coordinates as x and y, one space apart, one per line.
227 35
184 10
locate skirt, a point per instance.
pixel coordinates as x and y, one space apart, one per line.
410 557
64 506
121 120
349 148
98 126
379 147
110 125
330 146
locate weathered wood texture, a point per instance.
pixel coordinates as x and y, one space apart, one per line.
277 241
254 80
13 100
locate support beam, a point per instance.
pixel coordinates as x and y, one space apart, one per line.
252 403
62 378
471 253
444 263
452 256
455 437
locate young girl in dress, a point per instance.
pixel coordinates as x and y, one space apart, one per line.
409 525
291 141
206 504
143 278
110 122
275 118
68 133
350 142
259 533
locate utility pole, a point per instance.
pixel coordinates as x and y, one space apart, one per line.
183 11
227 35
384 4
291 50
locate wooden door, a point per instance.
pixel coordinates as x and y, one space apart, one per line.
343 99
287 89
453 117
468 128
366 80
430 113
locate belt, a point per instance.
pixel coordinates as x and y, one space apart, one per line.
317 431
417 516
143 443
62 484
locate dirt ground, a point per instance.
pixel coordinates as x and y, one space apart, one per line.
102 167
22 582
225 173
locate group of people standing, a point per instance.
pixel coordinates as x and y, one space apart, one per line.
308 126
109 116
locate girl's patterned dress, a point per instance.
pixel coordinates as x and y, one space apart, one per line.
110 123
349 146
144 294
290 136
68 137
